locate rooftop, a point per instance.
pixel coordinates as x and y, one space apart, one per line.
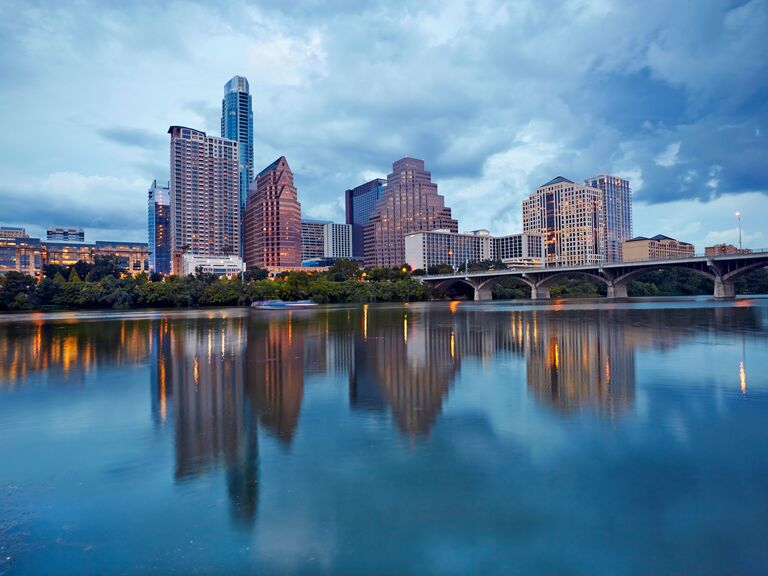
557 180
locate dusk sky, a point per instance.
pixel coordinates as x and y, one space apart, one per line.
496 97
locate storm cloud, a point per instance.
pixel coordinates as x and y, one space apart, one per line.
497 97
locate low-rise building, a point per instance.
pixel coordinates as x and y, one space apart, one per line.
64 234
29 255
724 249
426 249
228 266
658 247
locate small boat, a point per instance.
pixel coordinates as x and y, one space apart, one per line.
282 305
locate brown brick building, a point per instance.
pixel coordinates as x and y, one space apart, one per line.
273 219
409 203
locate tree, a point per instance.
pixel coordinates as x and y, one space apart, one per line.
50 270
74 277
255 274
344 270
16 290
104 266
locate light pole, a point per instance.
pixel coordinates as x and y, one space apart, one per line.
738 216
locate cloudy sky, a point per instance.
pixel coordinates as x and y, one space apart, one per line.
497 97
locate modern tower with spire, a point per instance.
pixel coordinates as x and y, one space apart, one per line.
237 124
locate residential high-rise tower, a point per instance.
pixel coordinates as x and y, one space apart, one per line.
410 203
237 124
571 219
617 209
205 193
273 219
159 224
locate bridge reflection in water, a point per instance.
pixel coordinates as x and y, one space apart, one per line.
224 382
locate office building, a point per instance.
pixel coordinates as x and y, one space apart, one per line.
237 125
337 240
62 234
273 219
658 247
524 250
159 222
12 232
312 239
410 203
132 257
570 218
427 249
360 202
617 213
205 193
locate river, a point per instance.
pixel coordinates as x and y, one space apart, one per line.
578 437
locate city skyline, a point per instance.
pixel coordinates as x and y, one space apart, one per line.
687 131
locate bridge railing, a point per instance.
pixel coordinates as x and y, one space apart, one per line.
460 270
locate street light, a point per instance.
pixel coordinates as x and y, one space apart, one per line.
738 215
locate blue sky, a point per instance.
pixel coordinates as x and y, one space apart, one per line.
497 97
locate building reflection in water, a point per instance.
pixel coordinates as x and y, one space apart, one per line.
198 382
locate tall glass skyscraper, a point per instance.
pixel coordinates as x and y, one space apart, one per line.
360 202
159 212
617 206
237 124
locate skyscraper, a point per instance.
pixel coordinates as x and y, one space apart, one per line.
312 239
360 202
273 219
617 207
205 195
409 203
159 222
237 124
571 219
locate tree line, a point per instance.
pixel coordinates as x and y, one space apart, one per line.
104 284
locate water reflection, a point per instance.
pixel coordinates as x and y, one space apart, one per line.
218 381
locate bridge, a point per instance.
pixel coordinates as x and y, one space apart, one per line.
722 270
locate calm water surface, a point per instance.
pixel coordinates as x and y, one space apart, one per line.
492 438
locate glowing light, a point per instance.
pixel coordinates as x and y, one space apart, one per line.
196 372
742 378
405 328
365 321
453 345
453 305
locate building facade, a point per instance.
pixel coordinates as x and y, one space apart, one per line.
410 203
617 212
218 265
724 250
360 203
337 240
205 193
237 125
312 239
658 247
571 220
524 250
13 232
273 219
159 228
426 249
63 234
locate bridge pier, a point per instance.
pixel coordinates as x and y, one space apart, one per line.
724 289
617 290
483 293
539 292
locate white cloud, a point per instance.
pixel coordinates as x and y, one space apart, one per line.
669 157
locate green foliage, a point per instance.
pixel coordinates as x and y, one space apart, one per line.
16 290
344 270
670 282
